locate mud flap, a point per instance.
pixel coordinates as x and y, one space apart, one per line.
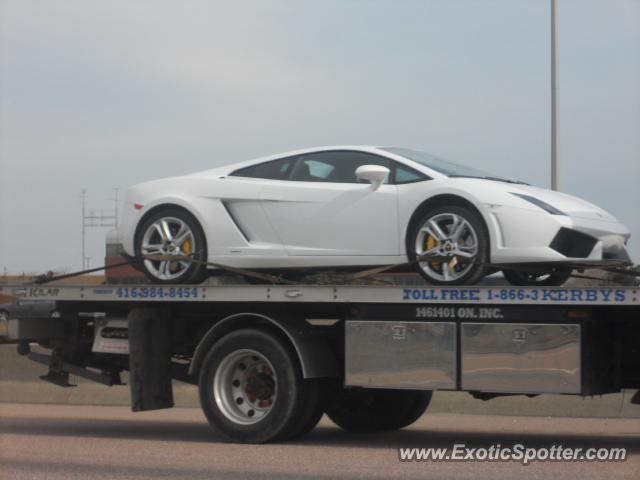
150 359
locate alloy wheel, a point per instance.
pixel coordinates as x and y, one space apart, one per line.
449 235
168 236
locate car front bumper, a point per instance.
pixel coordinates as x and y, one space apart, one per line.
524 236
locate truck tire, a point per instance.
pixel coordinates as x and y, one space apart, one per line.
316 405
252 390
368 410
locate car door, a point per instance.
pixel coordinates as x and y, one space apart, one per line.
323 209
239 194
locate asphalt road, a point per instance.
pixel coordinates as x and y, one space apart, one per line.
88 442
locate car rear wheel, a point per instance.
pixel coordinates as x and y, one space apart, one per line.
457 233
172 233
520 278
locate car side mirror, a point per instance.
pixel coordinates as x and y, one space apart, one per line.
375 174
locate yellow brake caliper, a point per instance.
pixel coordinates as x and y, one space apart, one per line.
432 243
187 249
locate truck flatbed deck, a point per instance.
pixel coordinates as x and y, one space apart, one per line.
489 295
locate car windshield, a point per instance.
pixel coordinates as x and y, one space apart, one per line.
440 165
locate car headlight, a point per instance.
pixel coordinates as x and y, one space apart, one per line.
539 203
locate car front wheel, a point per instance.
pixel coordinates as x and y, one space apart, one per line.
459 235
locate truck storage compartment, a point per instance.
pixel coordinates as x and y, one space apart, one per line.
521 358
411 355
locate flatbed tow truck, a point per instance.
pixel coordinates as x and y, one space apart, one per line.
269 360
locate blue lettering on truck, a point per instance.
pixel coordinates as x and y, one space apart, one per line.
542 295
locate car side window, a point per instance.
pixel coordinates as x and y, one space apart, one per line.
406 174
271 170
336 166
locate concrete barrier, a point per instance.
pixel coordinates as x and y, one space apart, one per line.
19 383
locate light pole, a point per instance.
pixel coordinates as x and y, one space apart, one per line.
83 195
554 98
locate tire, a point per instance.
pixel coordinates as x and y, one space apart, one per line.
314 410
472 242
368 410
270 385
185 238
520 278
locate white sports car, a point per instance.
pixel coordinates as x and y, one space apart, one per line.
354 206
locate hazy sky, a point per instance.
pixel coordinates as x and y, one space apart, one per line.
100 95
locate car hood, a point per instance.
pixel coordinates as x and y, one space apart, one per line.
573 206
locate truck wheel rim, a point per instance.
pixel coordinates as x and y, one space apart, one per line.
451 235
245 387
168 236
